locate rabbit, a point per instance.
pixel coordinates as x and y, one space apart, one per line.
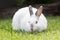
29 19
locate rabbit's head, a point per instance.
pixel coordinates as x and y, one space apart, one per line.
34 17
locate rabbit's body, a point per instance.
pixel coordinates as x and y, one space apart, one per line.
22 20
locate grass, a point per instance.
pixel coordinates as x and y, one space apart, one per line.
52 32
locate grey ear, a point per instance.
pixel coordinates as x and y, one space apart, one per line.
30 10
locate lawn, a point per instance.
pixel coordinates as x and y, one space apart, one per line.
52 32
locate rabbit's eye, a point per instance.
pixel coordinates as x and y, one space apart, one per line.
36 22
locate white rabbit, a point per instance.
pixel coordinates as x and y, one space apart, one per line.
29 19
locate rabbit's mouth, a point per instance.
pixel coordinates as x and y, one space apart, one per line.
31 27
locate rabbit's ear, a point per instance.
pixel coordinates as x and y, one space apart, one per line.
30 10
39 11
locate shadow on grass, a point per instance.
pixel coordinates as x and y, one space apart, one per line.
24 32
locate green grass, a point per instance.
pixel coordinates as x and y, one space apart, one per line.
52 32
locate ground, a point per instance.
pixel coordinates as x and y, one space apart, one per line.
51 33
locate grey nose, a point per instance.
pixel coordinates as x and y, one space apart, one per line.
31 27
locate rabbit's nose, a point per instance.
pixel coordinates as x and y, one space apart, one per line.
31 27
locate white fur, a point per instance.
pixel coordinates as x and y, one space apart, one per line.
22 17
